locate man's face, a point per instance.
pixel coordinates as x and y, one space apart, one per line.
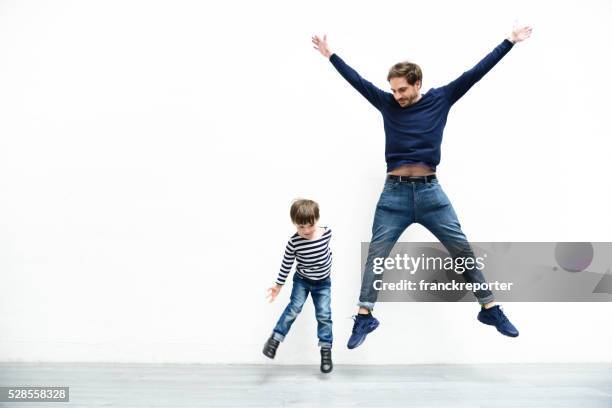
404 93
306 231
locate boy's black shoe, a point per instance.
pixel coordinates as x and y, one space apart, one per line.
326 360
270 347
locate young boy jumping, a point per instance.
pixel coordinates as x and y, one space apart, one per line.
310 247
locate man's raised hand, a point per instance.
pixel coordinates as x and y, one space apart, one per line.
321 45
520 33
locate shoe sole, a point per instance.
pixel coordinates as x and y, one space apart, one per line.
492 324
509 334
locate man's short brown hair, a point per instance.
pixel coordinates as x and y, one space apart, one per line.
405 69
304 212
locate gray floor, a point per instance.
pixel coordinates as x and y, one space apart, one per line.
141 385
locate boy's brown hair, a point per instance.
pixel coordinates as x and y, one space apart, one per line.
304 212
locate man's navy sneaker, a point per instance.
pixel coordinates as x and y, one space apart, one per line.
494 316
363 325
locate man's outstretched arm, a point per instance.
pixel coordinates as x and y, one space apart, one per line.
372 93
457 88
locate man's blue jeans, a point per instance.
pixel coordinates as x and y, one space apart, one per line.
321 297
403 203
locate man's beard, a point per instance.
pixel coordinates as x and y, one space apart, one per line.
409 100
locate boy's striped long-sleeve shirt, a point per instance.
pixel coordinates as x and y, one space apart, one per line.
313 256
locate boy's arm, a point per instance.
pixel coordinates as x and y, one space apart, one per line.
286 264
457 88
369 91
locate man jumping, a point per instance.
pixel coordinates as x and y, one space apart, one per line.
413 125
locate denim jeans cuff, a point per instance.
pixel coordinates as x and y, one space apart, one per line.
278 336
325 344
485 300
367 305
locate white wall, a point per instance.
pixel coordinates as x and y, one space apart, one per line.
149 152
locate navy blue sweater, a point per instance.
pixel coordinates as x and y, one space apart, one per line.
414 133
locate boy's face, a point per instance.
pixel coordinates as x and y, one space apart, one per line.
306 231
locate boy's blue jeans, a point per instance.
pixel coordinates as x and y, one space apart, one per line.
321 297
401 204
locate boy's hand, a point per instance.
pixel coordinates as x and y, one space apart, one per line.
273 292
321 45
